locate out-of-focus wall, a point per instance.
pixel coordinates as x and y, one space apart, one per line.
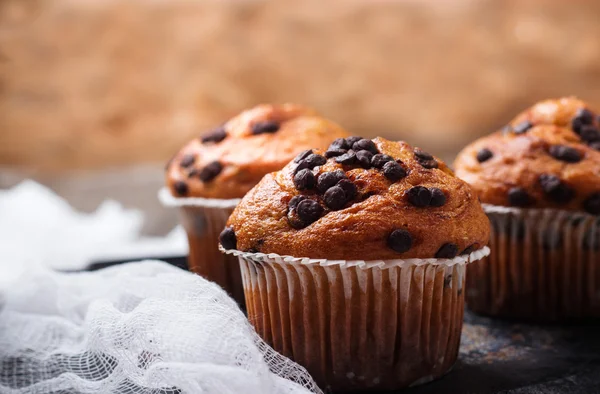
91 84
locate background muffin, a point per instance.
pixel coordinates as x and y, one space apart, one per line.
545 164
374 229
207 176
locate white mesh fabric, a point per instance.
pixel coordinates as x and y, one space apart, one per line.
137 328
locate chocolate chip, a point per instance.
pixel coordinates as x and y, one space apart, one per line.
351 140
311 161
589 134
592 204
305 180
393 171
187 160
595 145
339 144
565 153
349 188
335 198
295 201
425 159
400 241
438 198
447 251
228 239
522 127
209 172
181 188
380 159
365 144
583 116
419 196
484 155
334 153
309 211
363 157
347 158
265 127
469 249
329 179
518 197
555 189
216 135
303 155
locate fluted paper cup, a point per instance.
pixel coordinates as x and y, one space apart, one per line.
203 220
359 325
544 266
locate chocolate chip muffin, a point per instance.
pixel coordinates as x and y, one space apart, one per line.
368 236
209 175
540 180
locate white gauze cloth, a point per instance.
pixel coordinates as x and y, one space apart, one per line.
142 327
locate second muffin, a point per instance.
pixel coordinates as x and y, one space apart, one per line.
353 262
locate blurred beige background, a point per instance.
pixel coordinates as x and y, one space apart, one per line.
92 84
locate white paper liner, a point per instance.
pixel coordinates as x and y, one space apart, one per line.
544 266
167 199
383 264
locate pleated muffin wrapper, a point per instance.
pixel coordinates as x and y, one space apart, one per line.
544 266
203 220
359 325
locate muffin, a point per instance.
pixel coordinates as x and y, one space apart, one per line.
539 180
209 175
353 262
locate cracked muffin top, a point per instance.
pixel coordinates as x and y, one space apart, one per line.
546 157
360 199
228 161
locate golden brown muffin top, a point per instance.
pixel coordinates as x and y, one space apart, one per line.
360 200
546 157
228 161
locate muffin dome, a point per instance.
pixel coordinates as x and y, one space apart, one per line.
361 199
546 157
228 161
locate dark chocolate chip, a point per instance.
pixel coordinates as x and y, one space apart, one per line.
351 140
339 144
447 251
310 162
565 153
181 188
425 159
419 196
349 188
583 117
380 159
393 171
309 211
187 161
595 145
518 197
365 144
295 201
305 180
522 127
265 127
363 157
400 241
555 189
484 155
303 155
217 135
438 198
329 179
335 198
228 239
592 204
209 172
334 152
589 134
469 249
347 158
